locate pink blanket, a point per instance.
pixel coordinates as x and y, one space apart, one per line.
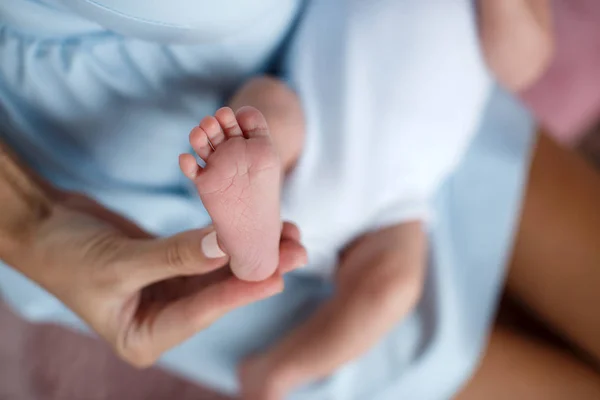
567 98
46 362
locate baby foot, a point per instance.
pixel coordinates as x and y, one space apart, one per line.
239 187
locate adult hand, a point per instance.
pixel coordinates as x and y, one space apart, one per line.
142 294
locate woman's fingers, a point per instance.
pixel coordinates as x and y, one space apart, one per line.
194 253
183 318
170 318
210 294
202 308
292 254
188 253
290 231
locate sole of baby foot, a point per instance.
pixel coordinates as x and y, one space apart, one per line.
240 188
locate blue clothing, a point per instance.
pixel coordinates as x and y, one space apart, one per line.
154 73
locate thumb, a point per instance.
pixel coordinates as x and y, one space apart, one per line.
187 253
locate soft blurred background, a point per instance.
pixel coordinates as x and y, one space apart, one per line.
45 362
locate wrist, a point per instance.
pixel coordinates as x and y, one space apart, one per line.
24 204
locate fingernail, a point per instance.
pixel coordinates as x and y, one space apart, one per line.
210 246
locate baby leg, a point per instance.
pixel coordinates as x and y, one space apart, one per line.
282 110
517 40
379 281
241 183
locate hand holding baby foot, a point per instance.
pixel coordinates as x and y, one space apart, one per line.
240 188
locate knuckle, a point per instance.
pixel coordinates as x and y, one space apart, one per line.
179 255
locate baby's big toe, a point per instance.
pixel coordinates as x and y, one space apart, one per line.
252 122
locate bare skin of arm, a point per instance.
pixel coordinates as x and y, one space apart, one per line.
517 40
379 281
142 294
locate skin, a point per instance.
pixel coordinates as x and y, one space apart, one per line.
239 187
368 302
554 274
143 295
518 366
517 40
555 268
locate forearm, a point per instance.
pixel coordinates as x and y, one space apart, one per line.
517 39
25 201
341 331
380 282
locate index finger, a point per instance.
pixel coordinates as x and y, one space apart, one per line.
184 318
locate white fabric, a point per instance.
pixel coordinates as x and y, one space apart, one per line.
393 92
174 21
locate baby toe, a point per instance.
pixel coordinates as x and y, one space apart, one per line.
200 144
252 122
228 122
213 131
189 166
